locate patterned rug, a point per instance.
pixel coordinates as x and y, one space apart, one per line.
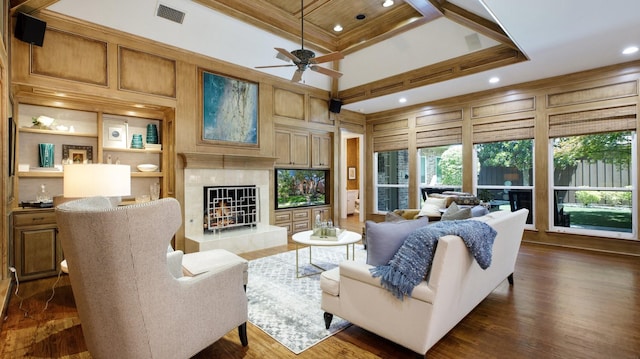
288 308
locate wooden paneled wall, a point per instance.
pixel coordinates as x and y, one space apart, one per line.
605 99
83 63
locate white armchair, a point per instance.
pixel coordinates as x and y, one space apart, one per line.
130 303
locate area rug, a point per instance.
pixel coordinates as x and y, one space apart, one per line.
288 308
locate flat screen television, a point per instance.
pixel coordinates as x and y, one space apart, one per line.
301 188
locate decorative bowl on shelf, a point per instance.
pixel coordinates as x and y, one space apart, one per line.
147 167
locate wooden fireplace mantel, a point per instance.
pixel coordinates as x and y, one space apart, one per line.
199 160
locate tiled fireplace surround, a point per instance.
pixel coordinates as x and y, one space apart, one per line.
202 170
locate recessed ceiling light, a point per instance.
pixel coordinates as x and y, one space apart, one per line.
494 80
361 17
387 3
402 100
337 28
630 50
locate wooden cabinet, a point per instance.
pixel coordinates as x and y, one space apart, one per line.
292 148
321 150
36 248
283 219
300 220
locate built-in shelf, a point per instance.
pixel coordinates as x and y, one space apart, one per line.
57 133
58 174
130 150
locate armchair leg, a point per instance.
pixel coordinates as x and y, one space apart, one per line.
242 332
328 317
510 279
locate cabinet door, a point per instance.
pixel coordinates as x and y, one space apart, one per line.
283 147
321 151
292 148
300 149
37 252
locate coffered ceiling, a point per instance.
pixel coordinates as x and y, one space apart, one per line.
421 50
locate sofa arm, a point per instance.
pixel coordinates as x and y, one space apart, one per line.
360 272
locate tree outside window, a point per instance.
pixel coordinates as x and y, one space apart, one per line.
441 167
593 182
502 167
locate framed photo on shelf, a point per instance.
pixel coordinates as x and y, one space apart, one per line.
77 154
115 134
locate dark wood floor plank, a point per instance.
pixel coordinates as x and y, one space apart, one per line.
565 303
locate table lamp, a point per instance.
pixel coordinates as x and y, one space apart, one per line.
88 180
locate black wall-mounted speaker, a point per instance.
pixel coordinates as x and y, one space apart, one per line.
335 105
29 29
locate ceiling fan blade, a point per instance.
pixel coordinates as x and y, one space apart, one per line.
326 58
326 71
266 67
287 54
297 76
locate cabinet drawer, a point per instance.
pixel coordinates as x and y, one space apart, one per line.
300 215
34 218
301 226
283 217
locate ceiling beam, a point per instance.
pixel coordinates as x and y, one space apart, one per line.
426 8
29 6
483 60
477 23
395 22
270 18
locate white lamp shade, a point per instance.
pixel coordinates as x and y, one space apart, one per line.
88 180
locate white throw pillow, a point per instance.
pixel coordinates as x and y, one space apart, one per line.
432 207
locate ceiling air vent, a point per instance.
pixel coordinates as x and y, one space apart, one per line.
170 14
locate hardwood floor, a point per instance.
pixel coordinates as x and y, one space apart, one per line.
565 303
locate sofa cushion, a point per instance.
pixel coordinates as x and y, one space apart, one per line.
454 212
330 281
384 239
478 211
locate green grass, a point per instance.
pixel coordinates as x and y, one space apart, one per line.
599 216
602 217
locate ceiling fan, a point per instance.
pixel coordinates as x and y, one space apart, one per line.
306 59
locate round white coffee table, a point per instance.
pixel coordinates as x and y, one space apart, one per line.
346 238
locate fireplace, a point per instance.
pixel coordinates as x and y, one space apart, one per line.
217 171
227 207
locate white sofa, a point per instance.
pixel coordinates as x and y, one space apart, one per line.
455 286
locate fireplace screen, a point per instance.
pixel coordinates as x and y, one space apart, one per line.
230 206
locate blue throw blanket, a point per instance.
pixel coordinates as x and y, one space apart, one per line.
413 260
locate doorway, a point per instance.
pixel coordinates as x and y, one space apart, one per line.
351 174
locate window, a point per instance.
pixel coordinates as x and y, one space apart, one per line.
593 184
504 175
392 180
440 168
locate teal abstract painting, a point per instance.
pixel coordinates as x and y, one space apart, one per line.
230 109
